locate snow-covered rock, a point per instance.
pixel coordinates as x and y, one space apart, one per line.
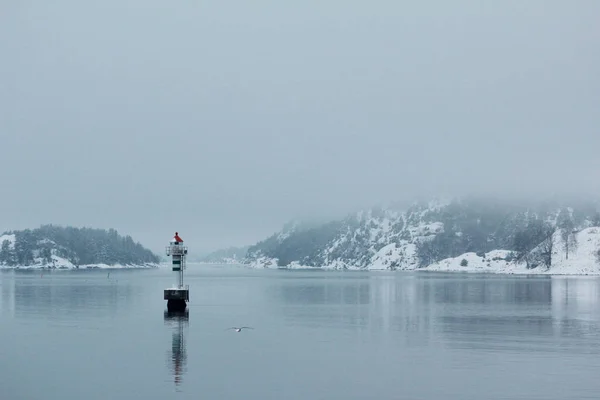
494 261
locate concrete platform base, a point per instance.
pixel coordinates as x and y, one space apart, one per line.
176 298
176 305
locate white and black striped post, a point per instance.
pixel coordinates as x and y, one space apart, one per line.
177 296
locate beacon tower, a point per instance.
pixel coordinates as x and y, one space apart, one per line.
178 295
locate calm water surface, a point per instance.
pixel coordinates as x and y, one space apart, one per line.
317 335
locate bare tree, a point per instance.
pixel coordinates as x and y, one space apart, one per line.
542 253
571 242
568 235
567 231
546 248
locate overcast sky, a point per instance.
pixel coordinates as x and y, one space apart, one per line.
224 119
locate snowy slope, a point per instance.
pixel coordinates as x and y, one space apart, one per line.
377 239
494 262
386 239
582 259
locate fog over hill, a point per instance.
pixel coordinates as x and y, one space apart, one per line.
472 232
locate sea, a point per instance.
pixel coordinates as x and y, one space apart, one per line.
311 334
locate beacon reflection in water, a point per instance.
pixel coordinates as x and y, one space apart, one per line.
177 360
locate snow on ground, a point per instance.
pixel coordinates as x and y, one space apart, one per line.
380 226
263 262
338 242
267 262
385 257
224 260
582 259
60 262
297 265
68 266
425 229
494 261
394 256
339 264
63 263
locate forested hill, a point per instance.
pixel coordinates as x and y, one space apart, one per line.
69 247
511 234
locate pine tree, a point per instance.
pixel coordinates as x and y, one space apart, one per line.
79 246
7 255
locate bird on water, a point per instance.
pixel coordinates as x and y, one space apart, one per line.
240 329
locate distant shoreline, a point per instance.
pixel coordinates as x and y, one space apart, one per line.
77 268
466 271
540 271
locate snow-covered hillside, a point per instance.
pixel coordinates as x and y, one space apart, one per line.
67 248
582 259
460 235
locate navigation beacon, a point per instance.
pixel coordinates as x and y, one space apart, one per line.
178 295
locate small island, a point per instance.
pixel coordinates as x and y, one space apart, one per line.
58 247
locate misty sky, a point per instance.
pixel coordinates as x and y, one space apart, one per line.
224 119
